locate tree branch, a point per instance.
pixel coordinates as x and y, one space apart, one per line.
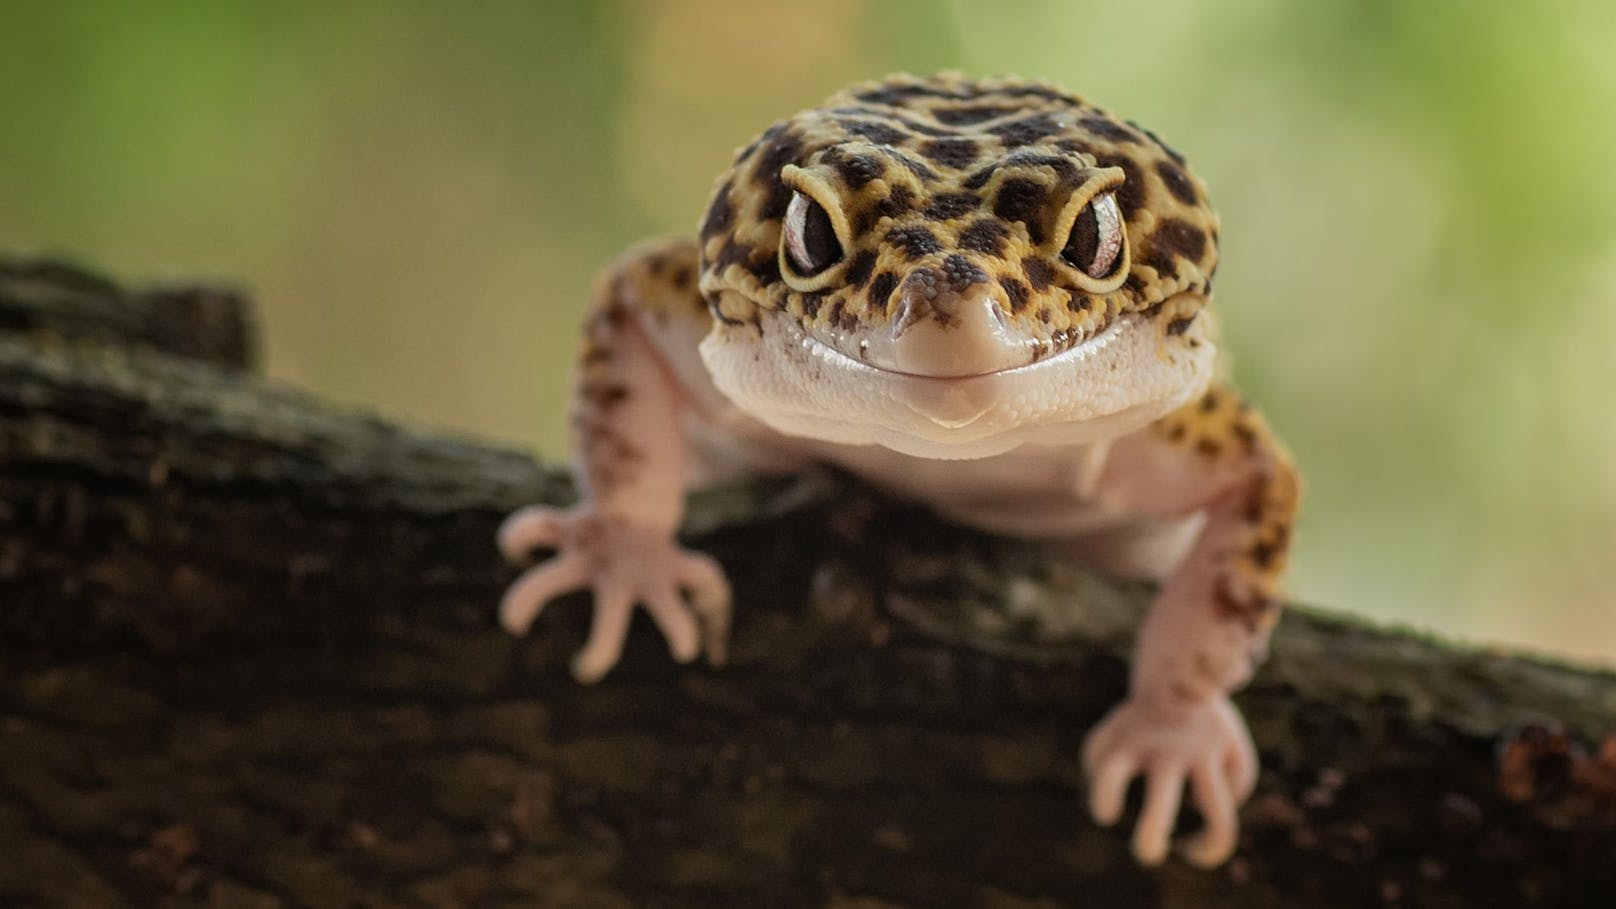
248 657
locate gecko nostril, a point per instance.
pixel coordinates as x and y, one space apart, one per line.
922 283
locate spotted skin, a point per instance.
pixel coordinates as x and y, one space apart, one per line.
967 177
1226 434
1069 407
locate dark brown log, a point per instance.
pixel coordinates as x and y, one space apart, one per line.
248 658
203 322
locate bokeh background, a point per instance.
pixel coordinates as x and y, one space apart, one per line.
1418 199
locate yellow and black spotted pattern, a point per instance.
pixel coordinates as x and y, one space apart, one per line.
1223 431
657 280
966 177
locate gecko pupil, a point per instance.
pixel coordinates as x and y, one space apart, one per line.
1085 239
1096 237
810 238
819 239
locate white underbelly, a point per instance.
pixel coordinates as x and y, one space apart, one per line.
1041 493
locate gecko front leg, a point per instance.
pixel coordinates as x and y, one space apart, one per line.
629 463
1208 627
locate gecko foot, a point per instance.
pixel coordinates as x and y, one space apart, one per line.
1204 744
684 592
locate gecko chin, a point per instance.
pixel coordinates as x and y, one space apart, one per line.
1110 384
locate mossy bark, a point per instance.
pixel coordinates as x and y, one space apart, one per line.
248 658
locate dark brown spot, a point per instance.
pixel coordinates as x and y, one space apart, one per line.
984 236
838 314
1016 291
682 277
1131 194
967 116
750 147
956 153
960 273
901 200
1178 182
981 177
896 95
1079 302
779 150
860 269
857 170
1074 145
1180 237
731 254
924 129
1165 265
775 202
811 303
1022 200
845 318
1208 447
915 167
881 291
720 214
1246 435
1209 402
1262 554
766 271
1040 91
606 396
915 241
1180 325
1028 130
1108 129
875 131
1038 273
1065 168
947 206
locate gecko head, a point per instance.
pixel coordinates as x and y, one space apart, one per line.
952 267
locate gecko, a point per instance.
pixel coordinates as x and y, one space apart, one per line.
989 296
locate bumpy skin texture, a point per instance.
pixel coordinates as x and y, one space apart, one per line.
957 338
965 178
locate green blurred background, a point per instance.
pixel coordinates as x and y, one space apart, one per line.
1418 200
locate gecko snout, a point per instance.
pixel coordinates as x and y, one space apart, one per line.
949 322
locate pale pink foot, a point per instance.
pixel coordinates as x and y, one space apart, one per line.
684 592
1204 744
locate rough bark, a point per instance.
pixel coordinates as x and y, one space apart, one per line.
248 658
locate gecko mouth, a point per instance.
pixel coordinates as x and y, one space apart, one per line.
954 402
1034 353
1110 383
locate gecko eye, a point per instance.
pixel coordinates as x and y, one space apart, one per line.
1095 243
811 242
